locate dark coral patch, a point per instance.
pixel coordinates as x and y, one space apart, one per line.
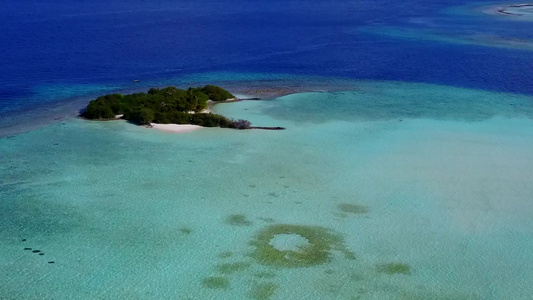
216 282
185 230
230 268
263 291
238 220
394 268
353 208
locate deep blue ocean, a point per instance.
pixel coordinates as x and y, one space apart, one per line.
56 50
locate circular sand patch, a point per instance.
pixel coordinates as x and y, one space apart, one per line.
289 242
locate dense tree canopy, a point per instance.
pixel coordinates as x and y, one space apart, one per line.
168 105
216 93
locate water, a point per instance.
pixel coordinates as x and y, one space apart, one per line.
402 174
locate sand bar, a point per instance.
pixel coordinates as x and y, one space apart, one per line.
175 128
522 11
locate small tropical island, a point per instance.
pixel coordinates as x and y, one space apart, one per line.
169 105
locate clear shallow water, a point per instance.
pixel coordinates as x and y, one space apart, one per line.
416 177
396 100
129 212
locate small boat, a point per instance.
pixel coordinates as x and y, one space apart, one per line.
136 80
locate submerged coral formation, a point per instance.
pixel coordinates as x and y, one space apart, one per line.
263 291
229 268
216 282
225 254
394 268
352 208
238 220
321 242
185 230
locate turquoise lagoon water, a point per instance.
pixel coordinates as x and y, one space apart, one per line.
440 190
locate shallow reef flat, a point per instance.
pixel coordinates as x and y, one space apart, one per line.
384 202
488 39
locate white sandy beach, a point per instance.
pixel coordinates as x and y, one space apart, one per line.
175 128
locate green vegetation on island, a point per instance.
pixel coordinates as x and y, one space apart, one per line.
165 106
216 93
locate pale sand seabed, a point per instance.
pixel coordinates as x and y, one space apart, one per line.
128 213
